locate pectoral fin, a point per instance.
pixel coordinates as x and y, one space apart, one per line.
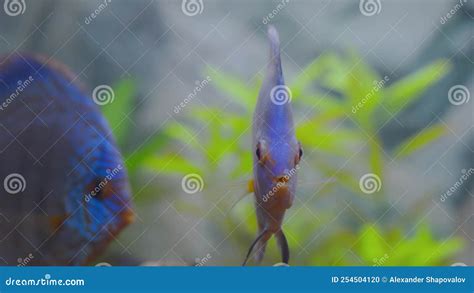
250 186
248 190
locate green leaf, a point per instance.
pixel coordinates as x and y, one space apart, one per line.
181 133
420 140
117 111
171 164
376 157
312 72
403 92
152 145
242 93
334 141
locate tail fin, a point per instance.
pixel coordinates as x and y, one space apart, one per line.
261 245
261 240
283 244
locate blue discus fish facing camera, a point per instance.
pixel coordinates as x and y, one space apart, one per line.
276 155
64 188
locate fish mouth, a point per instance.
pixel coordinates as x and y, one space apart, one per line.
281 180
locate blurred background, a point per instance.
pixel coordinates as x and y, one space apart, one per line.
381 98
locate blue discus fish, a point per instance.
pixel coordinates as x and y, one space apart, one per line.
64 189
276 154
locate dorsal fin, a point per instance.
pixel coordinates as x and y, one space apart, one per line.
274 64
